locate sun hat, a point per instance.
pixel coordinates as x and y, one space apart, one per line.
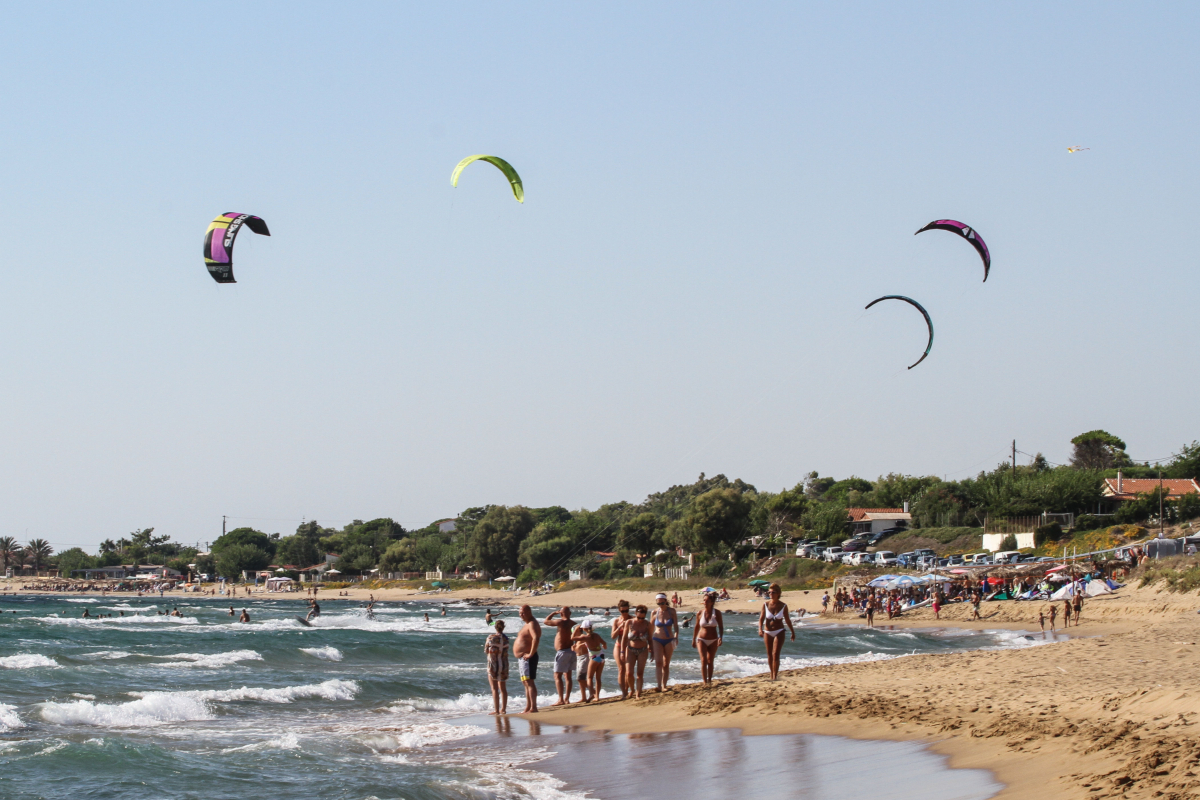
587 623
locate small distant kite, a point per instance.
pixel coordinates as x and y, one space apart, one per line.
968 233
920 308
518 189
218 242
1076 149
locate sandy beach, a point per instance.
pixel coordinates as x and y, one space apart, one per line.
1113 712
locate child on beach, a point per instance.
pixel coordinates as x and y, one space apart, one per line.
1066 613
496 648
595 656
1053 616
937 604
1042 620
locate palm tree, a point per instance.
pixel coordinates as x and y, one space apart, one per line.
38 551
9 551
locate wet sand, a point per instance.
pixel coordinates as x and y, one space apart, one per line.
1113 712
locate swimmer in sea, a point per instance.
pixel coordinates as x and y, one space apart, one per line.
231 611
245 617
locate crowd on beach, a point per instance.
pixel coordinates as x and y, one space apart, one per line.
871 601
638 636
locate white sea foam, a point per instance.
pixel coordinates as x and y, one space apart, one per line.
323 653
9 720
414 737
211 660
469 703
82 599
83 696
130 620
108 655
158 708
355 622
289 741
26 661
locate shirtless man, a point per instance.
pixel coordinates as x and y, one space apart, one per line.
245 617
565 659
525 648
314 610
618 626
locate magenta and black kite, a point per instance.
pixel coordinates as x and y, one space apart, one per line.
218 242
968 233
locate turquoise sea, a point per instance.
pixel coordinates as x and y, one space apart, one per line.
200 707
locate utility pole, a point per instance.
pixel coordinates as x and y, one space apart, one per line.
222 524
1160 503
1014 456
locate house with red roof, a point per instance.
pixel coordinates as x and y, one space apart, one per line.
873 520
1122 488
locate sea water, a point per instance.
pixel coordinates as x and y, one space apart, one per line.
199 706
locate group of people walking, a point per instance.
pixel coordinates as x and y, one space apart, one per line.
637 634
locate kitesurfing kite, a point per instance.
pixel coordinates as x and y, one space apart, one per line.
1076 149
920 308
513 178
218 242
968 233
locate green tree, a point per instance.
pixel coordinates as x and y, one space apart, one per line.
828 521
38 552
234 558
716 521
297 550
547 547
496 539
73 559
244 536
783 512
10 552
643 534
842 489
1098 449
1186 463
400 557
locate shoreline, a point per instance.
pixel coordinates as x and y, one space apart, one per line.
1111 712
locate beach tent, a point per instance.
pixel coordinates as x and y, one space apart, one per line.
1068 591
1096 588
883 580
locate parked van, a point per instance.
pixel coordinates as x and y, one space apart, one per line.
1006 557
977 558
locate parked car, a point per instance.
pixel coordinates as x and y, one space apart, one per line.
886 532
977 558
885 558
906 560
929 562
923 551
811 549
861 559
854 545
832 554
1007 557
953 561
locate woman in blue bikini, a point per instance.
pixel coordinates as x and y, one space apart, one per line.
666 634
771 619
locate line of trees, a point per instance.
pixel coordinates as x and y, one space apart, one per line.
713 518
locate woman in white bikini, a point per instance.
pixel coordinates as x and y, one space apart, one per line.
666 634
635 636
771 621
707 636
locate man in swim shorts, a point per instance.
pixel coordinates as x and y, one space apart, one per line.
565 659
525 649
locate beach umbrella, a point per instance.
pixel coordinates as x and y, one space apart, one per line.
760 582
439 585
505 578
332 572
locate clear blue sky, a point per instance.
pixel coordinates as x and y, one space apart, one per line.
713 193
